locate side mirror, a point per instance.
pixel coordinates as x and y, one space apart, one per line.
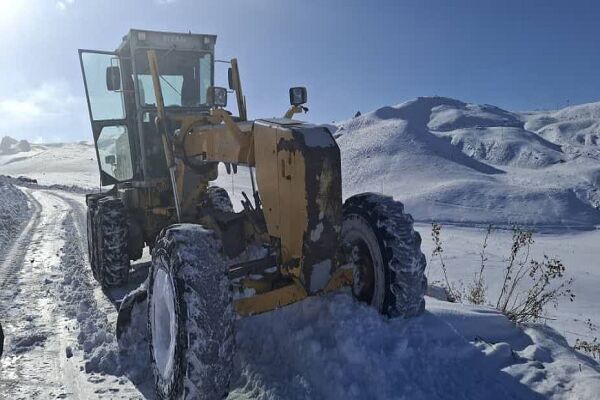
113 79
297 96
216 96
230 78
110 160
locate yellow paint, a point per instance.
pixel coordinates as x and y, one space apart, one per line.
270 300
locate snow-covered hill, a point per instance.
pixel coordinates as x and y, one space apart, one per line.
574 126
56 163
455 162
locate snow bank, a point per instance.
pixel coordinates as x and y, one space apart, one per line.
14 210
333 347
96 337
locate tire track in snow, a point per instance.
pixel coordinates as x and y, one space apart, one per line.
29 366
35 364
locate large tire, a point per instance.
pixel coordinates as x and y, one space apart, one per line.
190 315
107 226
389 268
92 204
219 199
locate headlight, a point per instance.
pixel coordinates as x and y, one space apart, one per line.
217 96
297 96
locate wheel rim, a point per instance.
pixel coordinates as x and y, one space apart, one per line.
164 322
363 283
363 253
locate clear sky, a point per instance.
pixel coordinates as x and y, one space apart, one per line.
351 55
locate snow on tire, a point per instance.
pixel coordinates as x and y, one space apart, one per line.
389 267
110 241
91 235
219 198
190 315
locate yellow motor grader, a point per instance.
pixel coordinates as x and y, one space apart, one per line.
161 129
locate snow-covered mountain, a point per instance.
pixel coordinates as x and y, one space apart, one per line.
9 145
55 163
455 162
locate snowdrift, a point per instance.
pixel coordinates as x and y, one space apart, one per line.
335 348
455 162
14 210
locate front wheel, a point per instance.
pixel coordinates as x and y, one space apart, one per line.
190 315
379 241
107 233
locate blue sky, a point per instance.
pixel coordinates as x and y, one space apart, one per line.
351 55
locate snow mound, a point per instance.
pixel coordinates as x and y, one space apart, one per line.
336 348
491 170
9 145
95 337
14 210
28 341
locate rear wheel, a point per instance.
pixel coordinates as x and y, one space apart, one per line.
190 315
92 204
219 199
379 241
107 241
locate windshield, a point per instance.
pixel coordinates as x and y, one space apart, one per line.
185 77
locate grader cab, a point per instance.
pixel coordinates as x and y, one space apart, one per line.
161 129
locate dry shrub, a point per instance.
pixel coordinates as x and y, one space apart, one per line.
528 286
592 348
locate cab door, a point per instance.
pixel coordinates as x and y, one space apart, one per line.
103 89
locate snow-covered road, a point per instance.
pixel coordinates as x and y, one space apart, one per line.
42 359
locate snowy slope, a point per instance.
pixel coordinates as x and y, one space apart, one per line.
461 163
56 163
574 126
